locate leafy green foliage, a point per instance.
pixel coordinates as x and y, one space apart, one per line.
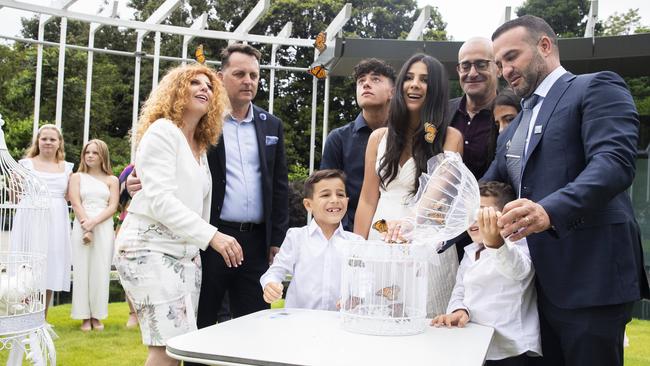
567 17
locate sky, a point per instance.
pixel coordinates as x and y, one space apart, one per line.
483 15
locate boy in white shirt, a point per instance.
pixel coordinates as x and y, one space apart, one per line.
312 253
495 286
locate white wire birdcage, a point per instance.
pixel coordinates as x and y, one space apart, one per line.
384 288
24 225
447 199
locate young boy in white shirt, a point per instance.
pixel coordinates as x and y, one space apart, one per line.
312 253
495 286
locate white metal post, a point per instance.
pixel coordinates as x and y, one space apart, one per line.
326 112
252 18
94 27
61 74
89 81
156 61
136 93
199 23
312 137
285 32
420 23
39 73
156 17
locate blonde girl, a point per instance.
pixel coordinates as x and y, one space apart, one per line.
93 192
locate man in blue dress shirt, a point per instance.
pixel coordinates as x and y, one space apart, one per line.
345 147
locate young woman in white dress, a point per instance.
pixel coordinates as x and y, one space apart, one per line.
45 158
397 154
93 193
167 223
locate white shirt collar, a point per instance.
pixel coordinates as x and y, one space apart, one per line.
550 79
249 115
314 228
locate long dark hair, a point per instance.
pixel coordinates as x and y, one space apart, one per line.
433 111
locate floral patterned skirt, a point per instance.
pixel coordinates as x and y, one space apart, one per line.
164 288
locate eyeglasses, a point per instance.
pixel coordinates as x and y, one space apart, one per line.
465 66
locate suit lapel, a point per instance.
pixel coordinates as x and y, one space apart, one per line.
221 155
545 112
260 131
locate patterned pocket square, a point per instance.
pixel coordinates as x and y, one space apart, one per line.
271 140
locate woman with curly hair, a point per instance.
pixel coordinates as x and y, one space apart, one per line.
158 244
398 154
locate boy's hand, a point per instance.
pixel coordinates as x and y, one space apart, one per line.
273 292
487 225
458 319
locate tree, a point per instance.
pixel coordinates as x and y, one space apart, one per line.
567 17
622 24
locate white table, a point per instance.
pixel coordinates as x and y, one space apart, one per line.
313 337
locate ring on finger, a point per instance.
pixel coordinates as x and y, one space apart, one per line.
527 220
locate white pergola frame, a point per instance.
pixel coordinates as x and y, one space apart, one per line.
60 8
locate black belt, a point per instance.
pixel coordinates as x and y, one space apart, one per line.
240 226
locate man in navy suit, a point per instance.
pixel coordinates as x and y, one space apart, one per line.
250 191
571 163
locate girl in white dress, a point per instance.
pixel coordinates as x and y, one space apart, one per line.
167 223
398 154
45 158
93 192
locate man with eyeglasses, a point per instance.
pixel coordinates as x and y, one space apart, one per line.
345 147
471 114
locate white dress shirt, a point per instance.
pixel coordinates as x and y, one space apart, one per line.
498 291
315 264
243 198
542 90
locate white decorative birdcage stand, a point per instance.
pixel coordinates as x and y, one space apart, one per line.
24 219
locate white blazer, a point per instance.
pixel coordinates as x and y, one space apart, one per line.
173 184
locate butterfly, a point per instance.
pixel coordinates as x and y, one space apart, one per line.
198 54
318 71
381 226
390 292
320 42
430 132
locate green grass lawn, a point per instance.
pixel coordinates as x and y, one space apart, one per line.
118 346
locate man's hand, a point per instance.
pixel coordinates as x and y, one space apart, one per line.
229 249
521 218
133 184
273 251
458 319
487 226
273 292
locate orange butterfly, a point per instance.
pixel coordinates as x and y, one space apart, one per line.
390 292
198 54
430 132
381 226
321 42
318 71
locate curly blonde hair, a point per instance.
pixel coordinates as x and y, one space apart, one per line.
169 99
104 157
34 150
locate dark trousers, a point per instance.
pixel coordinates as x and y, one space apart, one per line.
521 360
242 283
587 336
